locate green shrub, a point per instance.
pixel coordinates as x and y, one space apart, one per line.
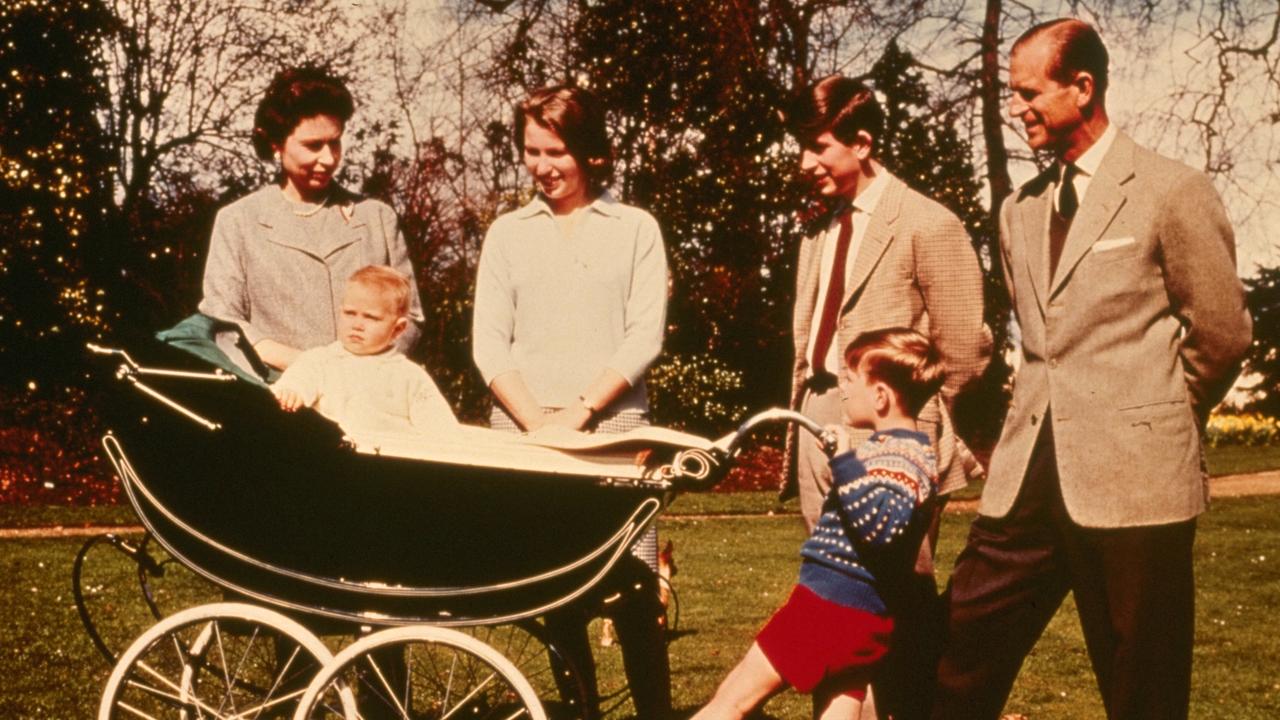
695 393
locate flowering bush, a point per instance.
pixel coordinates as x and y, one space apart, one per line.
49 451
1242 429
695 393
757 468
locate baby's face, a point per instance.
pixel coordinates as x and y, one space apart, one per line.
368 322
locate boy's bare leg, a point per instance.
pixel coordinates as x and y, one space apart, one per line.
747 686
867 711
841 707
830 703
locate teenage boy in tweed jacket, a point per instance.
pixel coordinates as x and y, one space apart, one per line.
906 261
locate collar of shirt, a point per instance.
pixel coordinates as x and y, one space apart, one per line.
864 203
866 200
274 206
605 204
389 354
903 434
1087 164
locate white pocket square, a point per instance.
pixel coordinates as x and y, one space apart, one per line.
1112 244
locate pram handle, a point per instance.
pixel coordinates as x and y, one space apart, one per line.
774 415
712 467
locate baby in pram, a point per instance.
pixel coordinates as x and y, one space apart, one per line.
387 404
361 381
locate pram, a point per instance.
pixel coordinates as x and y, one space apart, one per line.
309 530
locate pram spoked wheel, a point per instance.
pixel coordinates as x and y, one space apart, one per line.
420 672
554 678
216 661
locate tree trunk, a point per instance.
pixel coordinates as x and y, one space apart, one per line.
992 125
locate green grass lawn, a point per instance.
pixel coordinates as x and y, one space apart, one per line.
733 571
1231 460
1235 459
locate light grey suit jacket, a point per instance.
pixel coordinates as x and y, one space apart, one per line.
270 276
916 268
1131 343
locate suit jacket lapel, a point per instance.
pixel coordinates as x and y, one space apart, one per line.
876 239
1034 218
1104 199
808 268
352 233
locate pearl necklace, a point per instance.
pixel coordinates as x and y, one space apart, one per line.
311 210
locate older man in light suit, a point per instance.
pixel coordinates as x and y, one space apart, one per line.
887 257
1121 268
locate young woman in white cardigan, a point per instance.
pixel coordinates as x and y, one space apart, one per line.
570 309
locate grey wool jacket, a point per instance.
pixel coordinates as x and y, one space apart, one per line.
280 274
1127 345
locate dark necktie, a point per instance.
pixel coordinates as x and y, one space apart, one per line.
1067 201
835 294
1060 220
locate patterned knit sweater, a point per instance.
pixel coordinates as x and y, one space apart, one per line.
869 512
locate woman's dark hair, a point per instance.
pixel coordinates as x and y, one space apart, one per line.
294 95
577 116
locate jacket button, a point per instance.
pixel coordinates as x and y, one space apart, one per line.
1053 363
1033 419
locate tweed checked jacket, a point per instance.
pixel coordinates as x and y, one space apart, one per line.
1127 346
915 267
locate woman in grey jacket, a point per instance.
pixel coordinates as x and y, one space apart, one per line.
279 258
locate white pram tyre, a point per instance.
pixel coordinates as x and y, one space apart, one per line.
417 672
553 677
216 661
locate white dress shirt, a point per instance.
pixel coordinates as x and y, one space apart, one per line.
1086 167
864 203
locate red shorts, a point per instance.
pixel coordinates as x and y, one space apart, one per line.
810 641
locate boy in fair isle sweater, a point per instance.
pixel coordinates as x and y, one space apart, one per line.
835 626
